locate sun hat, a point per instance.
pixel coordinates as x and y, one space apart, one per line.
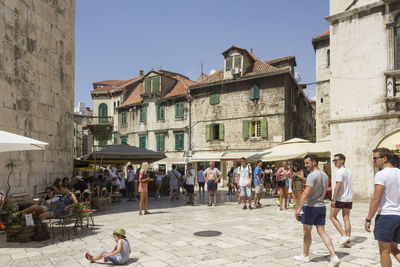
119 232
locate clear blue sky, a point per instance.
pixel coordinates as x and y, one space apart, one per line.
117 38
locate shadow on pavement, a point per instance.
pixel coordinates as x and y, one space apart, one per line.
358 239
327 258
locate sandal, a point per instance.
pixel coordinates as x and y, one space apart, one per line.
89 257
140 213
146 213
209 204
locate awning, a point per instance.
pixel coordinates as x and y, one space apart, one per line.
237 155
14 142
391 141
207 156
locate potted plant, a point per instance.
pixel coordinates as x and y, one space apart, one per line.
79 210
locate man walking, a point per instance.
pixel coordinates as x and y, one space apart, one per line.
190 183
174 182
342 199
385 200
131 184
236 181
200 180
259 184
314 210
244 177
212 176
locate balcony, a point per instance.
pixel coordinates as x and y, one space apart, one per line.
100 125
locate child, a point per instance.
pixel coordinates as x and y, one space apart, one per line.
119 255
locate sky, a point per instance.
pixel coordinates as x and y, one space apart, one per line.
114 39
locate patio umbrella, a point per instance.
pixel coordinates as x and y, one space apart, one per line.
294 148
14 142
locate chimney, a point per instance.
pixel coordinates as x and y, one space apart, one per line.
251 50
141 73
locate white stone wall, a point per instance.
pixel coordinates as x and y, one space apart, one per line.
37 50
338 6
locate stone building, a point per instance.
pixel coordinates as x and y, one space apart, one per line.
364 84
82 136
37 89
154 115
248 106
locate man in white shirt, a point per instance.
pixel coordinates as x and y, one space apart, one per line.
190 183
212 176
245 177
385 201
342 198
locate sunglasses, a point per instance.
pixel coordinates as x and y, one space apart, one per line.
375 158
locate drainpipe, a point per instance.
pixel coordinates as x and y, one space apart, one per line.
190 126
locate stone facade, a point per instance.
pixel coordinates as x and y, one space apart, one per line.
362 64
37 89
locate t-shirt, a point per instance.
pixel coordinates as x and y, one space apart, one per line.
390 202
236 175
131 176
346 189
319 182
200 178
257 171
190 177
245 174
215 170
80 185
282 173
174 176
159 177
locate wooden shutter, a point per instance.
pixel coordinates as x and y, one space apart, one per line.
155 85
245 129
179 110
264 128
214 98
158 142
221 131
228 64
254 92
147 86
115 138
208 132
162 142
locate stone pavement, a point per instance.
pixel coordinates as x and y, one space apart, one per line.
258 237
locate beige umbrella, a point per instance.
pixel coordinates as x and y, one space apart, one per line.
14 142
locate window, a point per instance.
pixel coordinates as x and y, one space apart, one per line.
152 85
215 132
233 61
214 98
160 142
254 92
142 112
397 43
328 57
179 110
103 113
142 141
179 140
255 129
115 138
124 140
123 118
160 112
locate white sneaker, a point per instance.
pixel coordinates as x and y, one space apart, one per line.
335 261
302 258
344 239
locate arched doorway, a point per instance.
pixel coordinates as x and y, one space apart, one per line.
391 141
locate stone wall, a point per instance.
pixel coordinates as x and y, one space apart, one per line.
37 89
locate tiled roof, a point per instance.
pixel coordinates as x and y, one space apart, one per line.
107 82
324 34
282 59
134 97
180 88
108 85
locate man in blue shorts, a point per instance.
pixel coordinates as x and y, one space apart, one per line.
314 211
385 200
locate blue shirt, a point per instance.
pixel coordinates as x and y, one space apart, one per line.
257 171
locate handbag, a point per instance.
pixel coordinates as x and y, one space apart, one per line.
281 183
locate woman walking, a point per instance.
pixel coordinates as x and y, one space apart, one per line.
144 179
297 177
282 177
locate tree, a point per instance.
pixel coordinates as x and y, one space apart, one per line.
11 165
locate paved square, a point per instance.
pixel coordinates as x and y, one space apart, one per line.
258 237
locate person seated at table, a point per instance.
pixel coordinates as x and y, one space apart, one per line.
61 208
95 187
80 184
56 185
111 180
43 204
65 180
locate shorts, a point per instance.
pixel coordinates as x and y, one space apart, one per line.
343 205
259 189
201 184
174 187
159 182
131 187
190 188
212 185
313 215
387 228
245 191
113 258
142 187
287 182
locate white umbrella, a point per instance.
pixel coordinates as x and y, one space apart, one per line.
14 142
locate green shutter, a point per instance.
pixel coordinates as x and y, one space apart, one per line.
214 98
124 140
179 141
264 128
142 141
245 130
208 132
123 118
147 86
142 114
179 110
221 131
160 112
254 92
158 142
115 138
155 85
162 142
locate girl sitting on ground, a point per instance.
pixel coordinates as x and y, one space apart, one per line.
119 255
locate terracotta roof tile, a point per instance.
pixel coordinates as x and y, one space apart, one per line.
180 88
107 82
282 59
324 34
135 96
108 86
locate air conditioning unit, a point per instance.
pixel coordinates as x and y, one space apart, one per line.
235 71
294 108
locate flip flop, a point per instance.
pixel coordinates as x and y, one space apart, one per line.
89 257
